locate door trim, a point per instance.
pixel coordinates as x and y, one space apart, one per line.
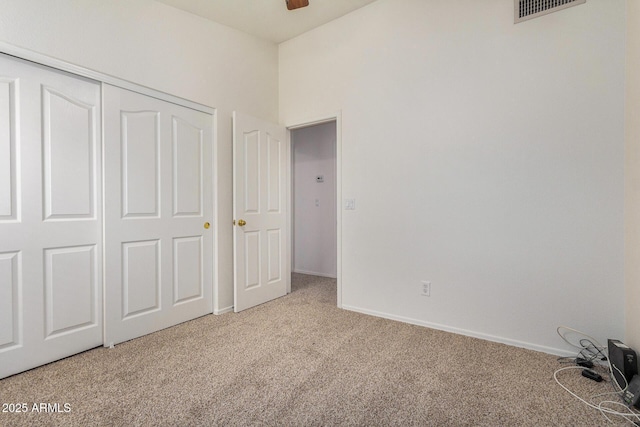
58 64
331 117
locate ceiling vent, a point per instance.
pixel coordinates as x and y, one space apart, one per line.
529 9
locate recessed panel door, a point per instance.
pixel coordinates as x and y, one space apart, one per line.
50 215
262 267
159 207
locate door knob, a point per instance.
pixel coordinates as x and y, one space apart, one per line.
207 225
242 222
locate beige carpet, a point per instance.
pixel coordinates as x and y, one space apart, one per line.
300 361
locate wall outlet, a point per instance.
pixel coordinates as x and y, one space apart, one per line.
425 288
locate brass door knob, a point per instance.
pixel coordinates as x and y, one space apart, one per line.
242 222
207 225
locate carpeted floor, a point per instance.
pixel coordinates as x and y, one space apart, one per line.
300 361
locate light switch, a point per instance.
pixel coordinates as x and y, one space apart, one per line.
350 204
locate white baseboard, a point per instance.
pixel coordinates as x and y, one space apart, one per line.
315 273
223 310
473 334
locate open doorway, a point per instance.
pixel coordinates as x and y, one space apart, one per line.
315 200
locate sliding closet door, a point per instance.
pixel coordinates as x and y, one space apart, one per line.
158 210
50 215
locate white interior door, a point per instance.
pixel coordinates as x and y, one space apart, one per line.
261 242
158 206
50 215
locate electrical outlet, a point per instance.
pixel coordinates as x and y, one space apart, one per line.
425 288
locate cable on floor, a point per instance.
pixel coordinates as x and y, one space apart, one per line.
591 350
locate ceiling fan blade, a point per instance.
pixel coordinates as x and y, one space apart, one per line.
296 4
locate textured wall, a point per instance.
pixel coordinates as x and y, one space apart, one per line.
484 156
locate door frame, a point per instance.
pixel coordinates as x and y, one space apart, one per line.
58 64
298 124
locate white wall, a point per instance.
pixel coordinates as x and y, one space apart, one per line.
632 175
166 49
314 153
484 156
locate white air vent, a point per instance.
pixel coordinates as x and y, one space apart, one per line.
528 9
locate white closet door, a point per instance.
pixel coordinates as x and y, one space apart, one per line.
50 215
158 206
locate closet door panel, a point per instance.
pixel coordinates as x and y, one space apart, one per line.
50 215
158 214
7 150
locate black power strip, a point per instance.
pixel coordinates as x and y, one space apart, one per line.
588 373
584 362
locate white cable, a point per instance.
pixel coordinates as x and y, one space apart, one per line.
626 414
592 398
606 417
603 410
598 347
613 377
581 347
630 415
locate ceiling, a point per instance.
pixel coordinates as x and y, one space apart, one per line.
269 19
